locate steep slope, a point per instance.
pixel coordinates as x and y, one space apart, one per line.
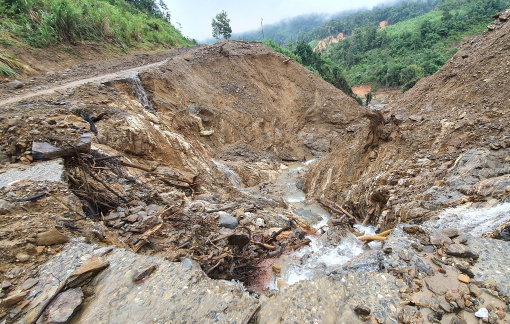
237 91
445 143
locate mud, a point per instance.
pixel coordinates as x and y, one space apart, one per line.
197 171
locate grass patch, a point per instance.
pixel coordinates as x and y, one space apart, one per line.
41 23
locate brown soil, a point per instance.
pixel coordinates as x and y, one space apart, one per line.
461 113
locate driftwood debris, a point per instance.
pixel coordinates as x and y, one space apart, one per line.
338 209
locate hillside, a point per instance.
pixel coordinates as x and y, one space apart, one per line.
42 35
401 54
443 144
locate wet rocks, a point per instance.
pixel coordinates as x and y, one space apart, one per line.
51 238
462 251
64 306
475 291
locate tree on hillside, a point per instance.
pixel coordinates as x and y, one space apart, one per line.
221 26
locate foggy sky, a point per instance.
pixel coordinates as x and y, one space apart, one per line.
195 15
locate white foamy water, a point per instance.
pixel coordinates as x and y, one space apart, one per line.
316 259
139 92
231 175
474 221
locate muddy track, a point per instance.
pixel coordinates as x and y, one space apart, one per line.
81 74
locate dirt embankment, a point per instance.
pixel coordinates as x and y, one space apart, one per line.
443 144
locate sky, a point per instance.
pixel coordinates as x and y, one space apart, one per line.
195 16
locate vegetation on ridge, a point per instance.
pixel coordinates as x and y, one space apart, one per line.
41 23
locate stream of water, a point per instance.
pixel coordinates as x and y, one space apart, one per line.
317 259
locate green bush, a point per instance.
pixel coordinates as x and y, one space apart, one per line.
41 23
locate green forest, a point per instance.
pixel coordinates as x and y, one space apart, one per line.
401 54
314 62
123 23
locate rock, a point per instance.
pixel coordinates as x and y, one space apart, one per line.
409 315
493 318
13 300
29 283
428 249
46 151
6 284
437 238
16 84
114 216
482 313
451 232
277 270
362 310
65 305
387 250
297 233
51 238
86 271
238 213
463 278
465 270
22 257
417 246
5 206
461 251
405 255
416 118
15 271
435 287
411 229
422 267
139 275
475 290
227 221
132 218
454 297
259 222
239 239
462 239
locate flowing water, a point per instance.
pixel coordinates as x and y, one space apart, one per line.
317 259
475 221
139 92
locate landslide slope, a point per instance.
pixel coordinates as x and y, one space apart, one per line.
244 92
445 143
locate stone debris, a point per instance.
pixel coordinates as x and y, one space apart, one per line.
52 237
62 309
